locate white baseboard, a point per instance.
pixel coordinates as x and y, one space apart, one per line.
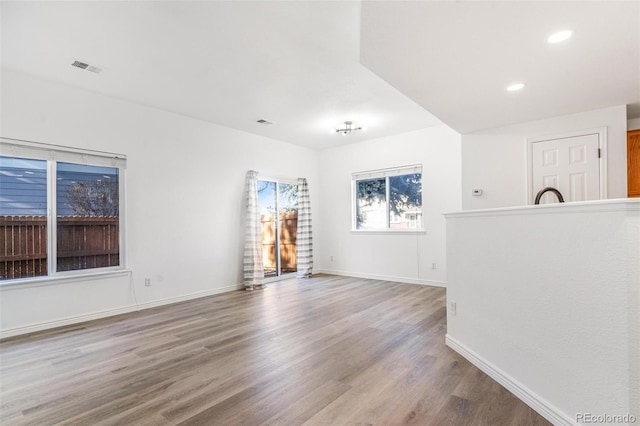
32 328
190 296
405 280
533 400
12 332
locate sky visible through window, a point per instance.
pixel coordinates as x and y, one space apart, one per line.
23 185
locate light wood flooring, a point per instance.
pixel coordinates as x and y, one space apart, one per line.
321 351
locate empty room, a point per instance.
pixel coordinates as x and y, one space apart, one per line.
319 212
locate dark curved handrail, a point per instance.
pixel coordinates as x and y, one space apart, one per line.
548 189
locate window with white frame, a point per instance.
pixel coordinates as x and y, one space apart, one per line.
60 210
388 199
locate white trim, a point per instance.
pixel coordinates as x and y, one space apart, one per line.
52 219
111 312
387 197
290 181
64 322
52 226
124 213
400 231
22 283
405 280
612 204
281 277
526 395
278 180
602 144
387 172
53 154
33 148
190 296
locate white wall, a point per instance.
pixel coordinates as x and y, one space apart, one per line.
496 160
185 180
633 124
399 257
552 309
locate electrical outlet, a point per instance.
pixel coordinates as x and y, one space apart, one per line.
434 265
454 308
147 282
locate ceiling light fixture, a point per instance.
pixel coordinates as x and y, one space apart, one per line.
560 36
515 87
348 128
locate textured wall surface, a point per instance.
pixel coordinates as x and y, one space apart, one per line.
548 296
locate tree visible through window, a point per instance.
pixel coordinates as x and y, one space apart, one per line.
85 209
278 202
88 211
388 199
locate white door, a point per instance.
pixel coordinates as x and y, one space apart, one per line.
571 165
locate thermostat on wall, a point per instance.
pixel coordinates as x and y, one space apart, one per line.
476 192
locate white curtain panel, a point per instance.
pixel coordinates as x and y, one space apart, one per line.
252 263
304 240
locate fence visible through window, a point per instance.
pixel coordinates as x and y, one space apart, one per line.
288 225
278 202
83 243
58 216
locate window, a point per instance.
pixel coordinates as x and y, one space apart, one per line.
389 199
278 202
60 210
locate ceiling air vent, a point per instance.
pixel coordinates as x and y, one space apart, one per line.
79 64
87 67
265 122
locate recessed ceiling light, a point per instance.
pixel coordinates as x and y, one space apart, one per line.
515 87
560 36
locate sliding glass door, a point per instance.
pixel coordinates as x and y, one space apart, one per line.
279 218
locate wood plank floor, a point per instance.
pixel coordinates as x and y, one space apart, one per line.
321 351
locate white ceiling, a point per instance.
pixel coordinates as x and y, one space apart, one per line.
231 63
298 63
456 58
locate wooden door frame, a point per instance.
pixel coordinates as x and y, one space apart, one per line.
629 133
602 163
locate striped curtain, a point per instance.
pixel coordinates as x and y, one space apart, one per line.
304 239
252 262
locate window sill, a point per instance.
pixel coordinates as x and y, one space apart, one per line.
43 281
390 231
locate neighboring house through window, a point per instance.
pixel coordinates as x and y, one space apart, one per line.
60 210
